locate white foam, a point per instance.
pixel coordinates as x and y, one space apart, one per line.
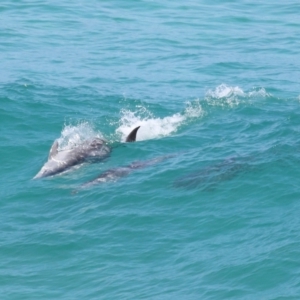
152 127
73 135
225 95
224 91
259 92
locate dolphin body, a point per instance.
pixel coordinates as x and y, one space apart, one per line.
91 150
209 177
114 174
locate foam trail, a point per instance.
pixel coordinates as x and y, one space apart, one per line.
152 127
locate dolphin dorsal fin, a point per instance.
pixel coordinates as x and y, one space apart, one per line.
53 150
132 135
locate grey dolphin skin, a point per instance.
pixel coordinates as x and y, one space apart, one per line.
91 150
117 173
132 135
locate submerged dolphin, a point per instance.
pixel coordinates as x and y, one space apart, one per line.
117 173
210 176
91 150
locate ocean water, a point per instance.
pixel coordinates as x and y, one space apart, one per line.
215 89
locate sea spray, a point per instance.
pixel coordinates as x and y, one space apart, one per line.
154 127
232 96
73 135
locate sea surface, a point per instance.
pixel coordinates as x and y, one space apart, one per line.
214 213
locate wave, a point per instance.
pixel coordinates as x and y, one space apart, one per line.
224 95
153 127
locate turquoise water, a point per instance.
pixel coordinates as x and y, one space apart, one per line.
215 89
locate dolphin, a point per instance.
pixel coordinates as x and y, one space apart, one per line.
210 176
114 174
92 150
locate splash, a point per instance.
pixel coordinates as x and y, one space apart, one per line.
224 91
225 95
259 92
73 135
152 127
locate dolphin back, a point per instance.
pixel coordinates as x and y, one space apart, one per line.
132 135
91 150
60 161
